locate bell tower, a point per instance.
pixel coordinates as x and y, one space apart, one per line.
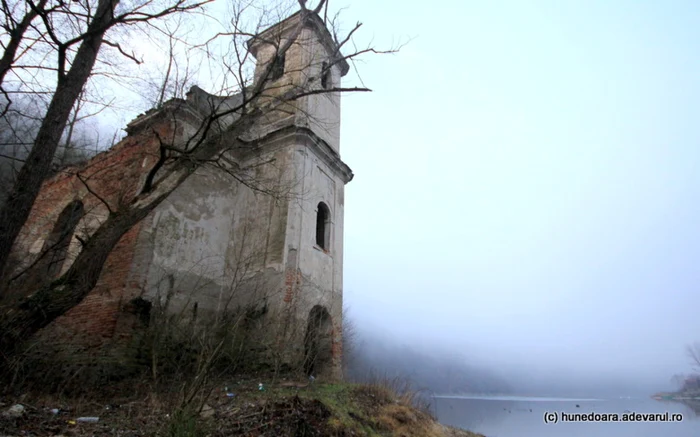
312 63
309 129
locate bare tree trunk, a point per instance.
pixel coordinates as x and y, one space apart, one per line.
38 164
54 299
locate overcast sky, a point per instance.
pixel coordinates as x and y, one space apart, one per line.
526 182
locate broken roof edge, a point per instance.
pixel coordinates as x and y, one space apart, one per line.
315 23
197 103
168 107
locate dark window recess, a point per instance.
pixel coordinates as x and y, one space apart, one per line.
59 240
277 67
323 216
325 76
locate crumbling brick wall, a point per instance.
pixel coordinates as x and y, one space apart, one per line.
102 326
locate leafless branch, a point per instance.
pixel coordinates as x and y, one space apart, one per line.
131 56
91 191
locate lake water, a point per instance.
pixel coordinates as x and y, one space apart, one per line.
511 416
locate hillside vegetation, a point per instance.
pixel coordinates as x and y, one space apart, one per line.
287 408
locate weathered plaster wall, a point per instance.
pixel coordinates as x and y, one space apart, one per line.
191 233
314 275
320 112
214 233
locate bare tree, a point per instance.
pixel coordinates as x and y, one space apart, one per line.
678 379
16 22
174 77
75 32
19 126
351 340
693 352
220 139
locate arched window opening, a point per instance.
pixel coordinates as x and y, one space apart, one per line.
59 240
323 228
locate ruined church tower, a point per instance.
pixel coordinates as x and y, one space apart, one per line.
267 243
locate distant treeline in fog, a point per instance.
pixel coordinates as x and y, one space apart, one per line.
434 371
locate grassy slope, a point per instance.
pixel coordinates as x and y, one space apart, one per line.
285 409
366 410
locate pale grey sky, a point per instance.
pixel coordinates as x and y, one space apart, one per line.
527 185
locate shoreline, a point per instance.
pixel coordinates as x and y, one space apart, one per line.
676 397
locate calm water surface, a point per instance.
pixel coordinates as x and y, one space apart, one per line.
524 417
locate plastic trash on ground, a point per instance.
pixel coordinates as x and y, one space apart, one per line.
16 410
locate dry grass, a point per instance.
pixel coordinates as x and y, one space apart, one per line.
397 410
383 408
397 390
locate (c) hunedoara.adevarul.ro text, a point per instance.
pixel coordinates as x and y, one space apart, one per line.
628 416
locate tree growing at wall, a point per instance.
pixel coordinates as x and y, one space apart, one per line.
211 145
72 34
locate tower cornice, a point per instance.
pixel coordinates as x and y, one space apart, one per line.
300 135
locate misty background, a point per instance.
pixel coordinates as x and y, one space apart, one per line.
526 190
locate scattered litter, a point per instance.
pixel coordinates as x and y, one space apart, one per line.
16 410
206 412
312 378
55 411
88 419
260 387
230 395
71 422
